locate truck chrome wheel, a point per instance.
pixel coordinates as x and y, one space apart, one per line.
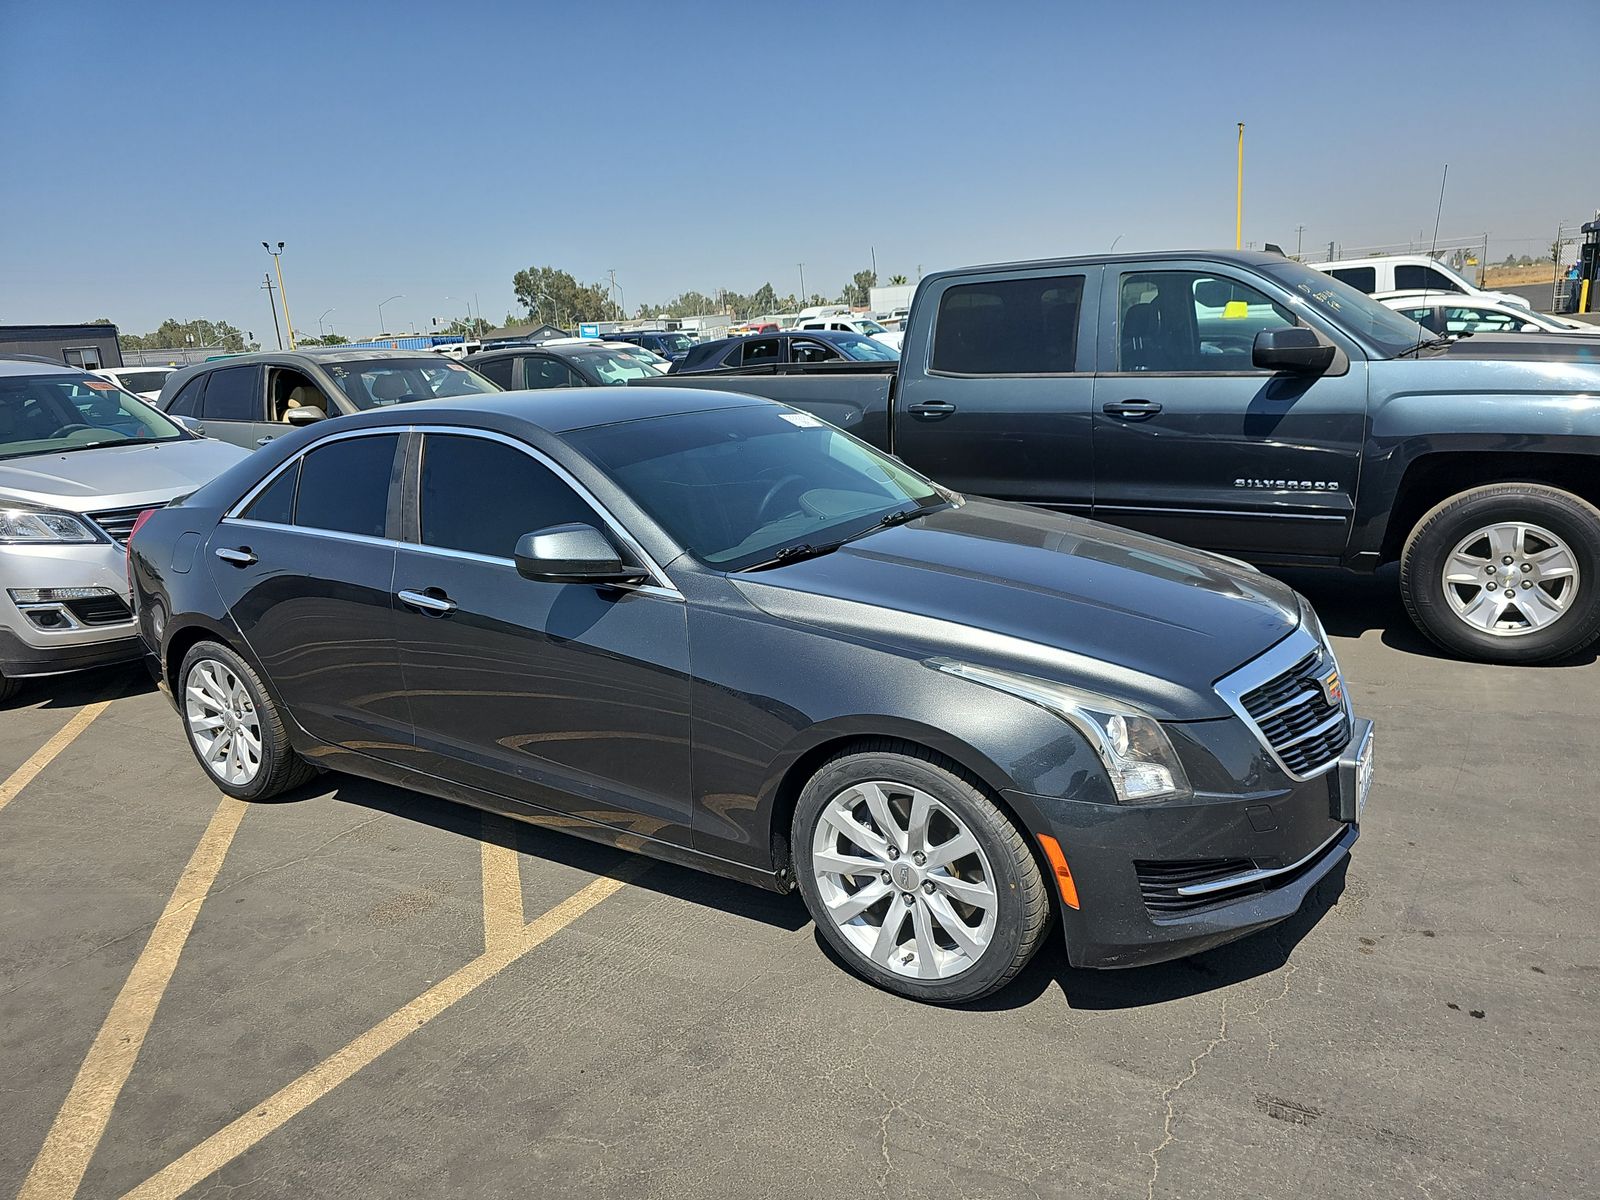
1511 579
222 721
904 880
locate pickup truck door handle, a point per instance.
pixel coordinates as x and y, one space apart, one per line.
931 410
434 606
242 557
1131 410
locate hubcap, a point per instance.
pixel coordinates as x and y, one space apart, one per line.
903 878
1511 579
222 721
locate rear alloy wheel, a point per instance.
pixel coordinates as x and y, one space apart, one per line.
916 878
233 726
1507 573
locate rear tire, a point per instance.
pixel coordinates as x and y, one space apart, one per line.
915 877
1458 560
233 727
9 688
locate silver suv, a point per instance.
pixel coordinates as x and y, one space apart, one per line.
80 460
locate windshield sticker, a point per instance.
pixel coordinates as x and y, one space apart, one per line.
99 385
803 420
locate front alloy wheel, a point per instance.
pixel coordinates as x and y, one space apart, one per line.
914 875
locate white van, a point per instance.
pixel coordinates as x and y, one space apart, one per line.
1407 273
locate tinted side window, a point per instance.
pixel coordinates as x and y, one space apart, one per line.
481 496
807 351
762 350
497 370
1183 321
233 394
1363 279
187 402
547 373
1411 277
1009 327
344 486
276 502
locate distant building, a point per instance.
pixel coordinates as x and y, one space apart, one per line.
88 346
532 331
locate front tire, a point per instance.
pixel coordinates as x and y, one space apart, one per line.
914 876
1506 573
9 688
233 727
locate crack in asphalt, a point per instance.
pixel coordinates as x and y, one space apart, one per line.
1169 1097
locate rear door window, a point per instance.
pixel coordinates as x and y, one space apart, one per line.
187 402
1010 327
496 370
1363 279
344 486
541 372
234 394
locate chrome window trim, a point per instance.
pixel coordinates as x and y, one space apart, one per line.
1234 687
1258 875
660 585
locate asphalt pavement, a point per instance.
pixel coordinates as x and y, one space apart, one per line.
363 992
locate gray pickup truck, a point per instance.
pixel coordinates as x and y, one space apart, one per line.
1246 404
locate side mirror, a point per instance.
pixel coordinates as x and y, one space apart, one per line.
192 424
1295 349
1530 327
573 553
306 414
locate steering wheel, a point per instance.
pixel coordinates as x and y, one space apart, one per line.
66 429
773 492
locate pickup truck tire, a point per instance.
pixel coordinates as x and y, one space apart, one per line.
8 688
915 878
1457 562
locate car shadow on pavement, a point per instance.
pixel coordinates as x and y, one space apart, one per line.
80 688
740 900
1351 604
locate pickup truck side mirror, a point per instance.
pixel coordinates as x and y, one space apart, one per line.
1295 349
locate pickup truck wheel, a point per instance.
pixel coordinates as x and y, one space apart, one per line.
1506 573
914 877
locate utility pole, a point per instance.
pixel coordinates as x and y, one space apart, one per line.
1238 210
272 300
283 295
874 252
802 285
1483 261
1299 232
1330 251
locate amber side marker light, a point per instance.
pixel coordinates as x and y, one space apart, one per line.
1058 864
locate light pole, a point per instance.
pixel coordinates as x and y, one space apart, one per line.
283 295
320 331
266 286
396 296
802 284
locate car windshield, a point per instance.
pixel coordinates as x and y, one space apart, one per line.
1388 331
616 366
143 381
735 486
676 343
48 414
378 382
869 327
864 349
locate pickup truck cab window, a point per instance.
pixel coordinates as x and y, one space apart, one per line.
1186 322
1411 276
1010 327
1363 279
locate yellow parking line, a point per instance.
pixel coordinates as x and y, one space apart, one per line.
234 1139
81 1123
502 886
45 754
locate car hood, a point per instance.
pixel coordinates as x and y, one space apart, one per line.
1051 595
1531 347
116 476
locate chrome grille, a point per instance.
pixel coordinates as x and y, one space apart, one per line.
118 522
1288 710
1159 883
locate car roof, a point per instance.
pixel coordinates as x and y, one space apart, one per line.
29 364
1441 296
1374 260
557 410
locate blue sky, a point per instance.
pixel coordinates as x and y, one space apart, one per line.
149 148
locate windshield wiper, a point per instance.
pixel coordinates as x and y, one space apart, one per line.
1430 344
791 554
806 550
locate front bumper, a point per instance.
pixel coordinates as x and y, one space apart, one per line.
1160 882
72 643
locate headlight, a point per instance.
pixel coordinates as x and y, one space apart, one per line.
33 526
1135 750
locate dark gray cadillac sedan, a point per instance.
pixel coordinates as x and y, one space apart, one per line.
722 632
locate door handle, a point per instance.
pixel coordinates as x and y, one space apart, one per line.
242 557
931 410
1131 410
434 606
262 441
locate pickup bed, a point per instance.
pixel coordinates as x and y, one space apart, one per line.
1247 404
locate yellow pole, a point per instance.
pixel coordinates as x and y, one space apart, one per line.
1583 297
1239 197
284 296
